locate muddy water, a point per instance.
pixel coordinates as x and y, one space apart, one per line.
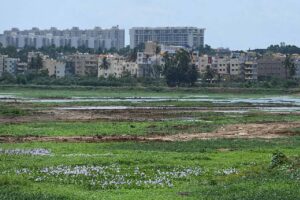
270 100
270 104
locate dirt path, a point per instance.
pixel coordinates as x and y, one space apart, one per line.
244 131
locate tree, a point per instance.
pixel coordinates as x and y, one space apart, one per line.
209 74
290 69
206 50
179 70
105 64
36 64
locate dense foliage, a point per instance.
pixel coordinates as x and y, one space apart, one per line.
179 70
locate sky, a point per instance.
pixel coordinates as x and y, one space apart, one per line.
234 24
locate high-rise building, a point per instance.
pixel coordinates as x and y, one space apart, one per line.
96 38
191 37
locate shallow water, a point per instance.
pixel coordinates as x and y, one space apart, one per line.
283 100
235 110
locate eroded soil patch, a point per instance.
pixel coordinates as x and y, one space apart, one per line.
242 131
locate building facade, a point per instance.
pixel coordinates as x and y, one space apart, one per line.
250 70
177 36
272 66
84 64
117 66
96 38
10 65
54 67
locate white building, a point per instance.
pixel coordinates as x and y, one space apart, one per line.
60 69
92 38
10 65
191 37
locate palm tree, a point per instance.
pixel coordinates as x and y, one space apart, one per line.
105 64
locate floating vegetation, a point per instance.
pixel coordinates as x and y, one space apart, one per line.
226 172
110 177
33 152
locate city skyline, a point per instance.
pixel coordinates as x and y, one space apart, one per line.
260 23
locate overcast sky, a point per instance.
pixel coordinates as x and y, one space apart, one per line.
237 24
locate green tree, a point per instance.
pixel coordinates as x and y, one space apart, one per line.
179 70
290 69
209 74
105 64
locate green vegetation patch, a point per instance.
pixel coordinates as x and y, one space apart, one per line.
153 170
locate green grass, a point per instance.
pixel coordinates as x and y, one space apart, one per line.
204 122
127 92
253 176
100 128
12 110
251 158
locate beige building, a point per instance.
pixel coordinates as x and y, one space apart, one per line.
250 70
272 66
116 66
54 67
84 64
204 62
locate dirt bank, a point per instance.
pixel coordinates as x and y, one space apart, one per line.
242 131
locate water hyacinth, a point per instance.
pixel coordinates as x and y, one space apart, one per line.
33 152
110 177
227 171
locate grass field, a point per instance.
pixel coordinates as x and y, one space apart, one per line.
37 92
196 169
218 169
201 122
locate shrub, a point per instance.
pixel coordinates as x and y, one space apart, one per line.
278 159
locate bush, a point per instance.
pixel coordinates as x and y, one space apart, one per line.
278 159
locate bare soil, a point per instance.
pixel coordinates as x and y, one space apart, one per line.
243 131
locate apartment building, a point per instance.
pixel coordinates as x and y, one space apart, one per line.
250 70
10 65
204 63
96 38
272 66
191 37
296 61
84 64
22 68
54 67
117 66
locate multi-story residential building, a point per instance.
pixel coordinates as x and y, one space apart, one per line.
205 62
147 64
223 65
178 36
60 69
10 65
272 66
96 38
54 67
22 68
34 55
296 61
116 66
83 64
250 70
235 67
